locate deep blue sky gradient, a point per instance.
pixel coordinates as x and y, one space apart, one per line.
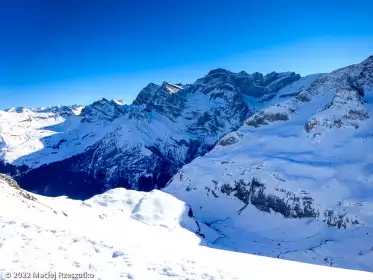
76 51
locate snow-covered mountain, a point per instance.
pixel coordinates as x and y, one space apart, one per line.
276 165
125 235
139 146
58 109
296 180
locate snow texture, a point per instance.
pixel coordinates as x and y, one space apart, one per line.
124 234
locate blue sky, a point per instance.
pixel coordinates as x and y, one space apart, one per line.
68 51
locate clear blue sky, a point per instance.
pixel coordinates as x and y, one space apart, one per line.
77 51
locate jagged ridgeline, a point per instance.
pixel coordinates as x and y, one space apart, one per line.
80 152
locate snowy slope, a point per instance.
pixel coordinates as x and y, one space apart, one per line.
21 130
124 234
34 137
296 181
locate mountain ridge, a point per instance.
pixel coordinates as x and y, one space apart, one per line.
193 117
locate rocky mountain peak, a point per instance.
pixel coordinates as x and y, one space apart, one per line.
257 77
369 60
171 88
146 94
219 71
102 110
20 109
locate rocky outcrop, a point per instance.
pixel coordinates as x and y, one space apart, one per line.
146 95
347 109
339 219
102 110
286 203
231 138
254 85
12 183
264 118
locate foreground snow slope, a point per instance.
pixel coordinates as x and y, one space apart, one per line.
296 181
125 234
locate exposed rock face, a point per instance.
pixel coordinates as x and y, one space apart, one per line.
254 192
164 99
339 220
230 139
346 109
303 96
254 85
102 110
146 95
12 183
263 118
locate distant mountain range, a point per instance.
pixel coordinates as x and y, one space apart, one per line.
140 146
